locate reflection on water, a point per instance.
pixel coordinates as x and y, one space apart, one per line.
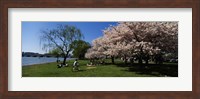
38 60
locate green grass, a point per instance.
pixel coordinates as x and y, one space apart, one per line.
107 70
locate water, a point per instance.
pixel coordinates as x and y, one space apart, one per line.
39 60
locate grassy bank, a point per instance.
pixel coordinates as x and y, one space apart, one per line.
107 70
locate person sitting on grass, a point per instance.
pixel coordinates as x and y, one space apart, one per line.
75 65
64 65
61 65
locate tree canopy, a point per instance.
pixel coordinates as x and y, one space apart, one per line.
136 39
80 48
61 38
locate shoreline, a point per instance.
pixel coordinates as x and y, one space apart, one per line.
44 62
37 64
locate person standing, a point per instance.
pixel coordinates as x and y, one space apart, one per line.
75 65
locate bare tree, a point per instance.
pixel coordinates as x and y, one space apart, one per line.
61 38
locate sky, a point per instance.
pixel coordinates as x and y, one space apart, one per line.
31 32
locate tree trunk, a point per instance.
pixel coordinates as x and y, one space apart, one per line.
140 60
112 58
57 57
64 61
125 60
65 57
147 61
79 56
140 56
132 60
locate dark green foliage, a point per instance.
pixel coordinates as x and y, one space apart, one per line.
80 47
56 52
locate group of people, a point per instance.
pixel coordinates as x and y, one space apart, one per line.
75 65
95 62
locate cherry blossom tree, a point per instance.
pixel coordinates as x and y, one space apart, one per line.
153 37
96 52
161 34
117 41
137 39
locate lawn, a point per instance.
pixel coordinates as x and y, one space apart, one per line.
106 70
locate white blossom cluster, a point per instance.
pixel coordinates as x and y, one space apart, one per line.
130 38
